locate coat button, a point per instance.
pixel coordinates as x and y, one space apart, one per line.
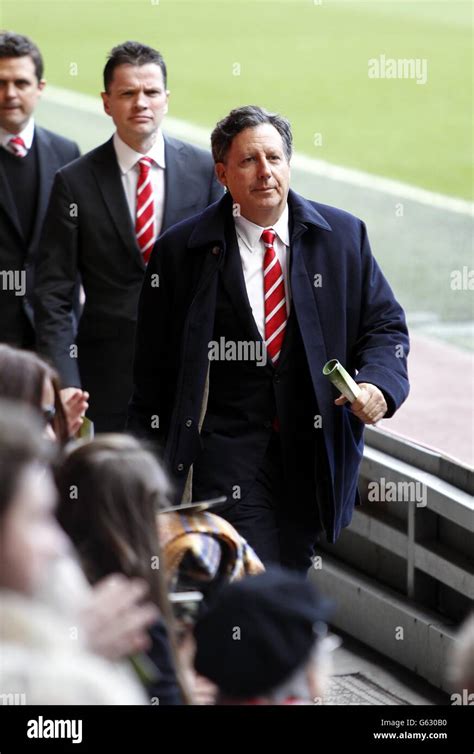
216 250
276 378
189 423
267 424
180 467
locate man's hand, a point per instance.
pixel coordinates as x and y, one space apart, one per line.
75 405
116 618
370 406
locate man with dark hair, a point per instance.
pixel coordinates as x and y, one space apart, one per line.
105 213
256 294
133 53
29 158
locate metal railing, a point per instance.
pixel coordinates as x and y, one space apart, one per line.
402 574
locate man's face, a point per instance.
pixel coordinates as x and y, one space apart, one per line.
136 101
20 90
257 174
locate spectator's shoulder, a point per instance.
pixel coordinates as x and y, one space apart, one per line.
60 144
181 237
178 235
76 169
336 217
191 151
341 225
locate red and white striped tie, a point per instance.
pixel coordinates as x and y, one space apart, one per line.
17 146
275 301
145 210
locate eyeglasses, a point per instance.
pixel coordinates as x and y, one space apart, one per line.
49 413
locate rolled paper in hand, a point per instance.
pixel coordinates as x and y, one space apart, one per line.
145 668
342 380
86 430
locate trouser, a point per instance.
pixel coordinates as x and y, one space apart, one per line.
280 528
108 422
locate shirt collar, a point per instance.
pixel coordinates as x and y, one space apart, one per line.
250 233
27 135
128 157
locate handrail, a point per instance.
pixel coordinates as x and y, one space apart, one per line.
405 563
426 459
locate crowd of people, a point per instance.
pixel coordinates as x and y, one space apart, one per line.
85 610
91 548
119 268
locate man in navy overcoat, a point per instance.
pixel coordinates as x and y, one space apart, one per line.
232 413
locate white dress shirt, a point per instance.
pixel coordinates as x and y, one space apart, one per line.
127 160
27 135
252 252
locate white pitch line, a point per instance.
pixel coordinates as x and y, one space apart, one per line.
184 130
384 185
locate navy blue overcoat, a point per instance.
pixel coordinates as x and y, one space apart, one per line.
345 309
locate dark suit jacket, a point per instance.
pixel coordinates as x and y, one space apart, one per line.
16 254
89 230
352 316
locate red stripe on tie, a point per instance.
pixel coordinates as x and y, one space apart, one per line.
145 210
17 146
275 302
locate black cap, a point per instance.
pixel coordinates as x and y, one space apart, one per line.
258 632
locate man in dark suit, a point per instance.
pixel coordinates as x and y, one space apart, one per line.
255 295
29 159
105 213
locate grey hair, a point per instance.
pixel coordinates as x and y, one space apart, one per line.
249 116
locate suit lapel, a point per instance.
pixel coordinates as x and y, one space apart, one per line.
47 167
175 175
232 278
306 301
7 202
107 175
